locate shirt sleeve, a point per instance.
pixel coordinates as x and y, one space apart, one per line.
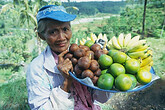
40 96
101 96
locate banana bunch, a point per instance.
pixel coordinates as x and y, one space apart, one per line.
146 61
134 48
93 38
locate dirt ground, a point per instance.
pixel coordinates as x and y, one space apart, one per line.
152 98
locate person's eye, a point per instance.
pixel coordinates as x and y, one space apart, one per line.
65 29
53 31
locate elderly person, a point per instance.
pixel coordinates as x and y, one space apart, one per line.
49 85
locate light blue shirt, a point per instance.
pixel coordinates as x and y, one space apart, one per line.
43 78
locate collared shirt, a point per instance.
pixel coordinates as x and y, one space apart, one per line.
43 78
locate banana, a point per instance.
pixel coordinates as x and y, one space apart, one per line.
133 41
93 37
76 41
150 52
147 67
137 54
115 43
84 40
126 39
109 45
121 39
151 63
88 38
145 55
100 36
81 42
110 42
140 46
105 38
146 61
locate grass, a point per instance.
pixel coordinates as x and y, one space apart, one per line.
157 45
13 95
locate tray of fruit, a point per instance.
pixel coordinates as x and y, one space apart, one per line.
122 64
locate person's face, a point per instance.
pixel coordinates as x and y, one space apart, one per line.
58 35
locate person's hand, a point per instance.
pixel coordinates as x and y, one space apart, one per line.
64 66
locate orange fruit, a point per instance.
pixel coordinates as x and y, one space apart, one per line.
123 82
116 69
144 76
132 66
89 43
119 57
105 61
134 81
105 81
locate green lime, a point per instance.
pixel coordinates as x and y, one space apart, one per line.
89 43
105 81
123 82
134 80
116 69
105 61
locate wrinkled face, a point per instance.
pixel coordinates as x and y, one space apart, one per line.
58 35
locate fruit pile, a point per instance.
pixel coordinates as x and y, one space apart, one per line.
120 63
84 60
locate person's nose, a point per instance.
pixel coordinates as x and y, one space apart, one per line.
61 35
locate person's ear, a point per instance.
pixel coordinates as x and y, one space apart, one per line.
41 36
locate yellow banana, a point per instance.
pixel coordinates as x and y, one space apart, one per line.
88 38
145 55
127 39
150 52
137 54
146 61
138 46
76 41
84 40
93 37
109 44
115 43
105 38
121 39
81 42
147 67
151 63
100 36
133 41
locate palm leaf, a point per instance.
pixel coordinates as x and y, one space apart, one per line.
6 7
32 18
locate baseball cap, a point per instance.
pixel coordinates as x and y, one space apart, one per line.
54 12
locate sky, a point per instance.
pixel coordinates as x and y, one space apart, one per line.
88 0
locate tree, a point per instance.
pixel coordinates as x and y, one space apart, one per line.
144 15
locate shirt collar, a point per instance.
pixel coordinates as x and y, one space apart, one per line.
49 62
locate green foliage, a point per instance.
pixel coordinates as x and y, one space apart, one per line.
92 8
14 96
134 16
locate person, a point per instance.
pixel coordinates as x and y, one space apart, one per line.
49 84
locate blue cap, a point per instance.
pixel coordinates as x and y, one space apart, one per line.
54 12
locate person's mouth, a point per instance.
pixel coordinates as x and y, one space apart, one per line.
61 44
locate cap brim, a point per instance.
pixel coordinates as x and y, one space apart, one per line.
60 16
